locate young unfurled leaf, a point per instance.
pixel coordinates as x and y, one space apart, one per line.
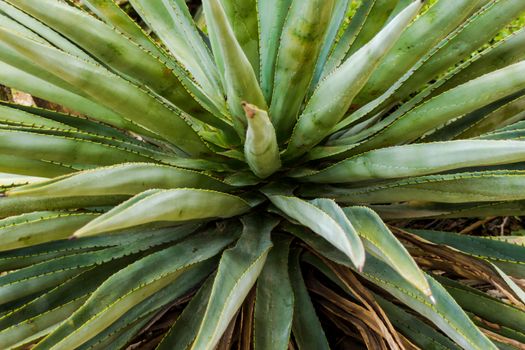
260 149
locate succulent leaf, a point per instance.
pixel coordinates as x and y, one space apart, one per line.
237 273
260 149
335 93
238 76
300 44
152 206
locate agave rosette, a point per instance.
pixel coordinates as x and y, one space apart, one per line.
224 180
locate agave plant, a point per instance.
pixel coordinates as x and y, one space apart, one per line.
222 181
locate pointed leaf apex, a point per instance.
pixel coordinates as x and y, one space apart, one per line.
431 297
249 109
361 267
84 231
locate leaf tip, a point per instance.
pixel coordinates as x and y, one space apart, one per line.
430 296
361 265
83 231
249 109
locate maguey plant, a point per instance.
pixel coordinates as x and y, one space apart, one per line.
226 179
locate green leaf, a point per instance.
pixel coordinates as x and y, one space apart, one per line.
494 111
44 313
381 242
335 93
132 285
23 166
505 114
307 330
148 308
377 18
447 106
20 205
139 151
108 90
449 210
364 10
242 15
35 84
39 326
238 271
484 306
427 31
33 28
503 53
12 180
509 132
124 336
39 227
260 149
416 159
300 44
21 118
115 51
50 273
64 149
327 219
124 179
478 30
410 325
7 22
274 300
331 37
272 14
419 332
508 283
376 108
111 13
177 205
452 188
239 78
74 122
183 332
172 22
24 257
